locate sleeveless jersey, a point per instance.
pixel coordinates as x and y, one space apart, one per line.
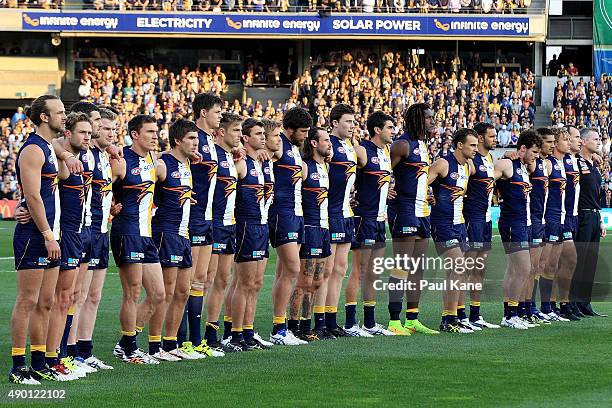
173 198
72 199
555 204
102 191
88 161
204 175
342 169
449 192
572 190
224 201
288 181
48 187
479 194
514 196
539 191
251 194
315 191
373 182
135 192
411 179
268 170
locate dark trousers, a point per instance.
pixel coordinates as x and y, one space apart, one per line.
587 249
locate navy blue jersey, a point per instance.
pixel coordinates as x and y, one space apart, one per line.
88 161
479 194
315 195
288 181
341 177
448 192
173 198
539 190
572 190
373 181
224 201
101 191
250 194
268 170
514 196
555 203
48 187
72 199
204 175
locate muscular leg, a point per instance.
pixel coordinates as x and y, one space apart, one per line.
336 265
351 292
29 282
551 254
217 281
244 277
251 305
89 312
227 301
300 293
519 265
81 286
287 273
567 265
57 317
368 291
176 307
157 318
320 295
201 262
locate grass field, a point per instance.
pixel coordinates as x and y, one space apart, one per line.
563 365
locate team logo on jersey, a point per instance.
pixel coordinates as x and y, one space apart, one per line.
206 149
51 160
421 168
225 164
176 174
575 177
489 184
519 172
315 176
135 171
482 168
289 153
562 183
259 190
540 166
375 160
254 173
556 167
296 172
144 188
184 193
569 161
230 184
321 193
266 170
54 180
455 191
416 151
80 189
268 191
384 177
454 176
524 185
85 158
350 168
341 150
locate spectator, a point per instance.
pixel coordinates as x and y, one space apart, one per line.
504 136
18 116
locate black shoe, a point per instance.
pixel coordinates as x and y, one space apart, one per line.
236 347
218 346
252 345
576 310
336 331
325 334
21 375
566 312
447 327
308 336
588 310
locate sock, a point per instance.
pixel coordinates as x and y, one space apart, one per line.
64 343
154 344
128 342
18 356
564 307
521 309
545 306
51 358
247 332
319 317
412 314
169 343
293 325
512 308
448 316
528 311
553 305
181 334
84 348
278 324
369 320
474 311
38 356
305 325
71 350
545 293
395 308
330 317
534 292
351 314
194 316
236 335
461 312
506 310
227 327
210 332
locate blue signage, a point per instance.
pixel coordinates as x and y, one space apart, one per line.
278 24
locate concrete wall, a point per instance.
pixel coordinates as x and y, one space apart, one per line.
29 77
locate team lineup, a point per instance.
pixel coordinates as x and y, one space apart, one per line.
193 225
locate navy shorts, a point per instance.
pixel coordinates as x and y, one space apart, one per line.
341 230
570 226
317 243
408 225
538 231
201 233
224 239
479 234
251 242
449 236
72 249
174 250
87 244
133 249
285 229
30 251
553 232
99 251
368 231
514 237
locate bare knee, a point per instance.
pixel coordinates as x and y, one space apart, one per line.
157 297
132 293
45 303
94 297
25 303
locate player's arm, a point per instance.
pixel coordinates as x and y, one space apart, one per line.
62 170
438 169
118 168
31 161
531 167
399 151
241 169
471 167
362 156
502 169
161 171
114 152
304 171
548 167
72 162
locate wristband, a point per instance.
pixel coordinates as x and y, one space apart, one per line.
48 235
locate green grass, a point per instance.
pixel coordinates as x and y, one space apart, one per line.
503 368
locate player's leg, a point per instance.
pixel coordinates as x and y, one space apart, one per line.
403 248
321 294
299 298
452 256
567 265
131 283
201 262
288 271
218 279
87 319
519 265
368 288
227 309
337 265
351 295
307 301
251 306
413 296
244 275
153 284
156 321
69 338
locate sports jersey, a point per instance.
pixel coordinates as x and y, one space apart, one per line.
342 169
173 198
572 189
514 196
373 181
224 201
479 195
135 192
72 199
204 175
449 192
86 157
268 170
101 191
251 194
539 191
315 191
555 204
288 181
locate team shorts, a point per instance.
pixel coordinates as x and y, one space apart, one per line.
514 237
285 229
368 231
72 249
538 232
479 234
317 243
99 251
224 240
87 244
408 225
449 236
200 233
553 233
341 230
174 250
30 251
570 227
133 249
251 242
